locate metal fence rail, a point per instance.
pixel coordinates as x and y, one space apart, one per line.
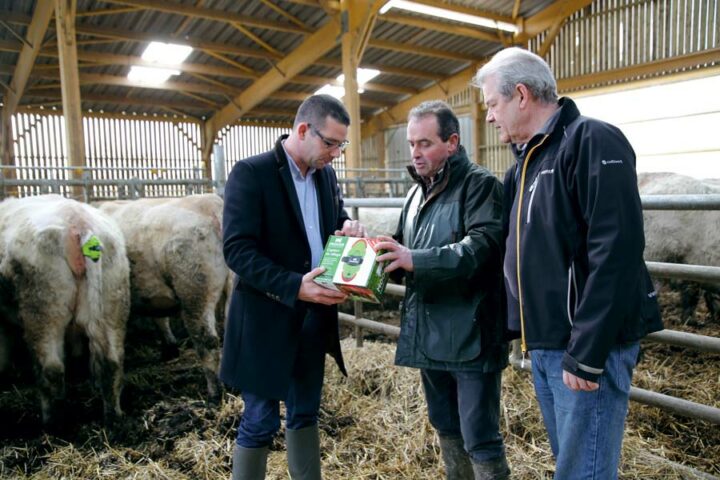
105 183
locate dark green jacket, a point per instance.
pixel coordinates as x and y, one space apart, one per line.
453 315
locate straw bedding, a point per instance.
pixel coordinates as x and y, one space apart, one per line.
373 424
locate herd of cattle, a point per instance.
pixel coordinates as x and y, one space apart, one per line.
71 272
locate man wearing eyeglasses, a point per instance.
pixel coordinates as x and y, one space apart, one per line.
280 208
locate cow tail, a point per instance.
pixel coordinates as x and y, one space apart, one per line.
87 252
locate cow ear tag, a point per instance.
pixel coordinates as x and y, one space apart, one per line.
92 248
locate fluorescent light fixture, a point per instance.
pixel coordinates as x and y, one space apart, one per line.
151 75
364 75
166 53
448 15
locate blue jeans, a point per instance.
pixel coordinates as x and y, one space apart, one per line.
261 417
466 404
585 428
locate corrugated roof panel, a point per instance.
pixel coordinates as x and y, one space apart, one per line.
201 29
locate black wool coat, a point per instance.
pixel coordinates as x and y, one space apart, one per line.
265 245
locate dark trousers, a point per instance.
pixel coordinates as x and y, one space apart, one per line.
261 417
466 404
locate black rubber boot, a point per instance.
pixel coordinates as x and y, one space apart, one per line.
457 461
303 453
249 463
493 469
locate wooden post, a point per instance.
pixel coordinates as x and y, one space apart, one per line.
26 59
6 144
357 18
477 113
70 87
206 145
380 151
7 156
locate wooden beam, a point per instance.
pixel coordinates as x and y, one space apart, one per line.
516 9
398 114
358 17
266 123
315 46
98 58
70 86
127 60
246 31
183 118
451 28
433 3
285 14
276 112
129 36
125 100
420 50
208 47
212 81
28 54
213 105
107 11
235 64
211 14
103 79
404 72
370 86
548 17
186 21
550 38
639 71
335 5
181 87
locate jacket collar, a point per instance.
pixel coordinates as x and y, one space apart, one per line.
555 125
322 185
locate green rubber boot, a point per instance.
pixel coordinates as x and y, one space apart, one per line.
249 463
303 452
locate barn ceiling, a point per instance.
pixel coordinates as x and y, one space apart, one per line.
240 47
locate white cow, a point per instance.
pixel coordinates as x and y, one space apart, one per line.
64 272
177 266
681 236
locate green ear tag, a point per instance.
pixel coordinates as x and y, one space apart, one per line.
92 248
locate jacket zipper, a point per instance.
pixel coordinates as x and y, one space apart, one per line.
532 190
523 343
572 287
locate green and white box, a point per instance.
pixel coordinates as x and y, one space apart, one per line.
350 267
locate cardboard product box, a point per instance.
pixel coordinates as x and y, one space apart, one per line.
350 267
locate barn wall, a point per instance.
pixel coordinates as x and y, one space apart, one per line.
115 148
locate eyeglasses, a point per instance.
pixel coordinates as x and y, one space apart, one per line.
330 144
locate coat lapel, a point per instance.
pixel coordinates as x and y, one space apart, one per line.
286 177
325 203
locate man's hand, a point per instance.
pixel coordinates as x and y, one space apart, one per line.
396 254
312 292
352 228
576 383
